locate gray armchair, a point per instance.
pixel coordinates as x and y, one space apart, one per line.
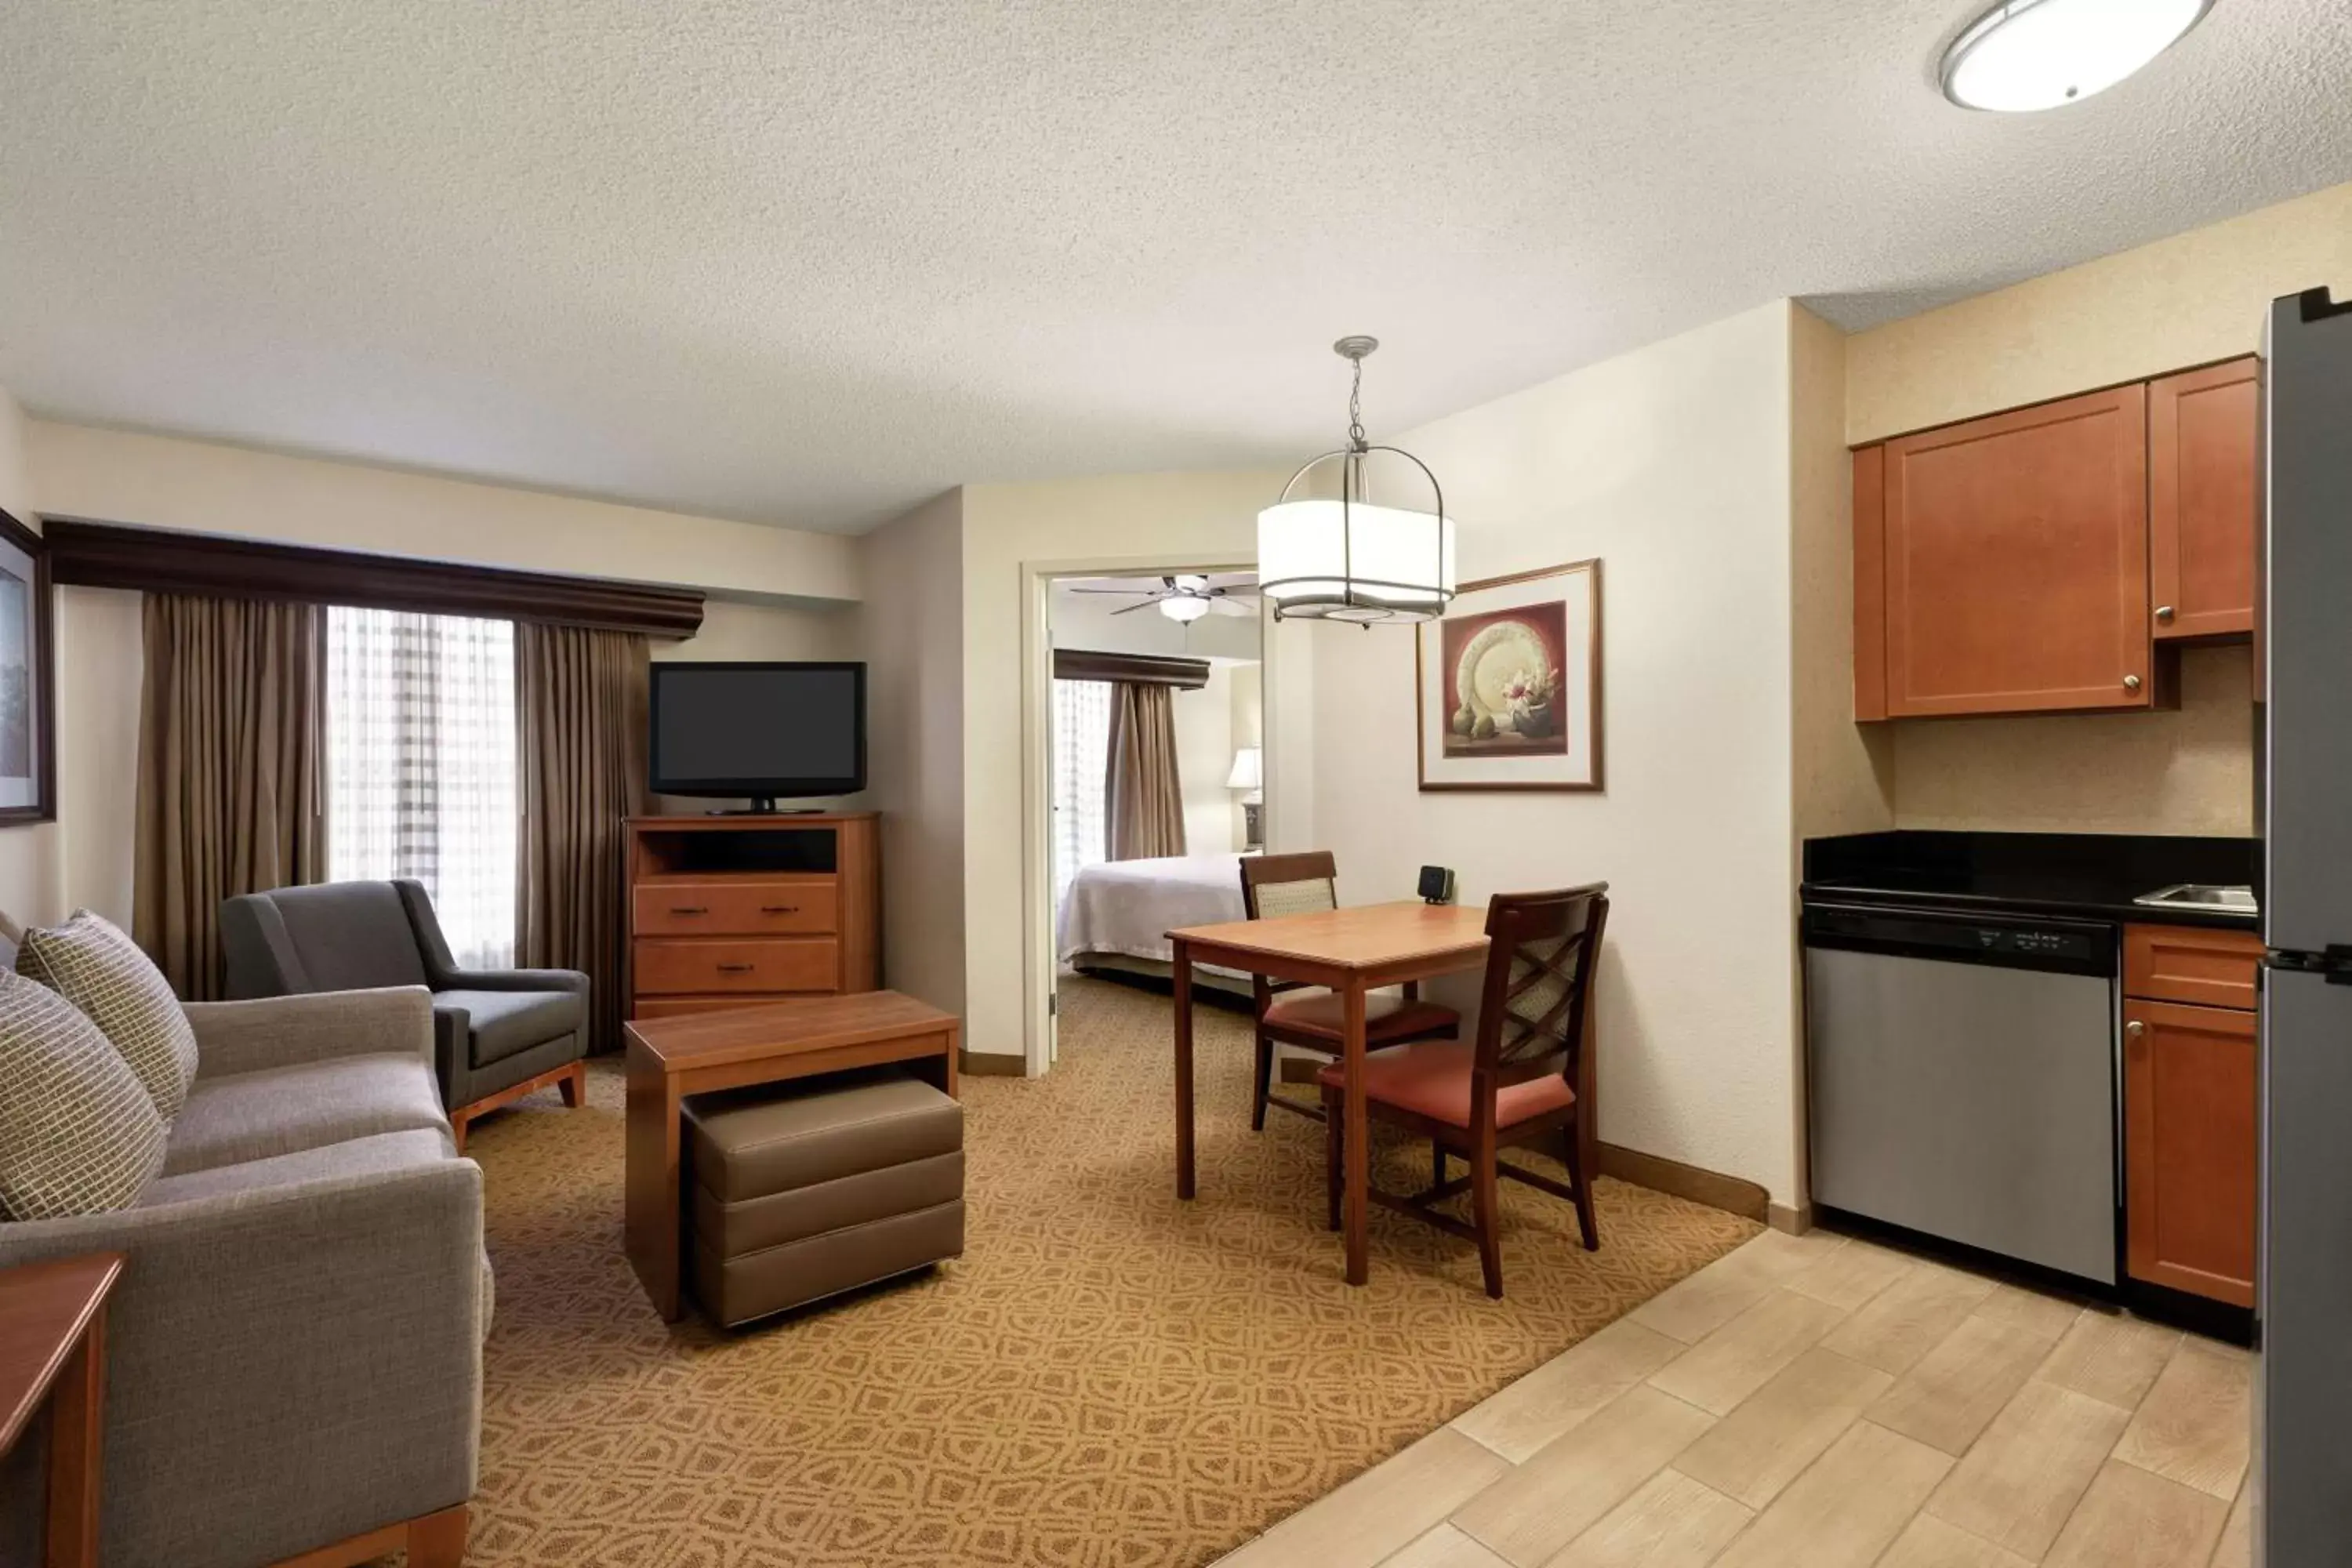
498 1034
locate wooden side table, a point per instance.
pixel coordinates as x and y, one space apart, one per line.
697 1053
53 1348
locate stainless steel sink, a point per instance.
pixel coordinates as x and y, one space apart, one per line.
2200 896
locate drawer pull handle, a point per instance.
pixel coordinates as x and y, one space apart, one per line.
689 909
735 969
779 909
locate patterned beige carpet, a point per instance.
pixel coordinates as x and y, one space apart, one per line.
1108 1376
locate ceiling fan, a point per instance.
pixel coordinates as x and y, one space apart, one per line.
1186 597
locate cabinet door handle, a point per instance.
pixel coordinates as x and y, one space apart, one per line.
689 909
2131 683
779 909
2164 613
734 969
2135 1029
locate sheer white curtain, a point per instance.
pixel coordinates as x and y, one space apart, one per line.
1081 765
421 766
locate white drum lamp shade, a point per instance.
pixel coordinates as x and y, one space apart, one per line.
1347 557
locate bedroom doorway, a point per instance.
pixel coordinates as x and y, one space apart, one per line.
1155 766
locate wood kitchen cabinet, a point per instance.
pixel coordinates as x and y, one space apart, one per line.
2203 431
2005 562
2191 1153
2052 558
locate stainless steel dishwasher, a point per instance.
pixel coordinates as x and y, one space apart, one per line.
1962 1078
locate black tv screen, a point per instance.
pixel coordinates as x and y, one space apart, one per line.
759 729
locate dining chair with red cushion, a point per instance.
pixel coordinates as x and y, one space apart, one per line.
1526 1078
1310 1017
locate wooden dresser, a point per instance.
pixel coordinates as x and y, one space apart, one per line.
730 912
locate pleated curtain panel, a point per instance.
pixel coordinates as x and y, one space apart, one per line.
1144 797
581 697
230 745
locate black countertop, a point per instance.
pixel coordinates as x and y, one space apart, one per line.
2090 874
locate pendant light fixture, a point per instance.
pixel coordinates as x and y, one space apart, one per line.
2025 55
1345 557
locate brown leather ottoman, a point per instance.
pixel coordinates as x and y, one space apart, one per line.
808 1188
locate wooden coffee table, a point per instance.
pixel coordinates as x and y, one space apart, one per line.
53 1348
669 1058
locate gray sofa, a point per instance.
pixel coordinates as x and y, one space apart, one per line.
498 1034
294 1349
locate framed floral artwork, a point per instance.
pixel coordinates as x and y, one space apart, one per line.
1508 684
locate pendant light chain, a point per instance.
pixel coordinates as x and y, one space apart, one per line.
1356 406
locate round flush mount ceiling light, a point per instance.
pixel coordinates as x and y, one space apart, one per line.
2026 55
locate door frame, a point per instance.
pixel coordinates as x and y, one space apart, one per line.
1039 960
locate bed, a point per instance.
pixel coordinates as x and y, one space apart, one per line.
1117 914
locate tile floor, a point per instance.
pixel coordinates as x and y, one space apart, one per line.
1817 1401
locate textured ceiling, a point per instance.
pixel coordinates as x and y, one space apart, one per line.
808 263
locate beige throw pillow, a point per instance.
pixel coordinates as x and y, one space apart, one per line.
78 1133
92 965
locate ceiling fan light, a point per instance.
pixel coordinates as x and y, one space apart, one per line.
2028 55
1184 608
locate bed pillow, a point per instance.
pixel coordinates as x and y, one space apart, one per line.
77 1133
92 965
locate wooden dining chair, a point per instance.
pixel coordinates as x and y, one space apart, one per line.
1526 1078
1289 1014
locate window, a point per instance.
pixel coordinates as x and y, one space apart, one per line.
1081 759
421 766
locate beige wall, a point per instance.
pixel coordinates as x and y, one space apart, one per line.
1204 754
1143 522
2184 300
2180 302
1844 779
2189 772
163 482
910 633
1672 464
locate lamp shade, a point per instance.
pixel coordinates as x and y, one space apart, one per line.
1248 770
1350 561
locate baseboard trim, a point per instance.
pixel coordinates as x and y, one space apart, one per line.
991 1063
1733 1195
1795 1221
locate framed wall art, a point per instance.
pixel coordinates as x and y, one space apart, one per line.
28 680
1508 684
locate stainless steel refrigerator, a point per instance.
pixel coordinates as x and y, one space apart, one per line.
2303 663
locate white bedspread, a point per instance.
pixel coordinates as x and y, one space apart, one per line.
1129 906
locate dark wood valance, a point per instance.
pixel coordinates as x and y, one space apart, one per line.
1147 668
163 560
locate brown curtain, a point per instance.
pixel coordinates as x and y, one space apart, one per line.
229 741
580 701
1144 811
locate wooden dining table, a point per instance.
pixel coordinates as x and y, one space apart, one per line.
1351 952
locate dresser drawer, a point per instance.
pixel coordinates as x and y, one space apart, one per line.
2198 965
684 966
736 908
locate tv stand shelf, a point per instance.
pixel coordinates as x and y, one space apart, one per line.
732 912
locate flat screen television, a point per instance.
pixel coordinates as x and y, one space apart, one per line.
766 732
